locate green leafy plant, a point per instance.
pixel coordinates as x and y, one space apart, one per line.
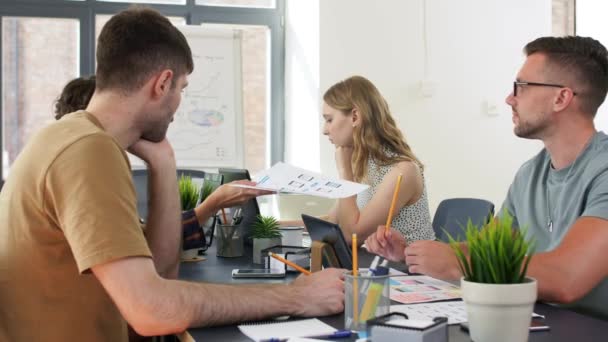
498 254
265 227
188 192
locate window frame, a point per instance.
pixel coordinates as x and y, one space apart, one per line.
87 10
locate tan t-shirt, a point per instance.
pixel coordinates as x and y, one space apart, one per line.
68 204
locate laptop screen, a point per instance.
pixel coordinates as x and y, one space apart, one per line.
250 209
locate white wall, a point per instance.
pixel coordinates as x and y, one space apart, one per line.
474 52
302 125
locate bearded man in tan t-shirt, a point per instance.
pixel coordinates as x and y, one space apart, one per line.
74 263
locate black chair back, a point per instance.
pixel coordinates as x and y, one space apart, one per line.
453 214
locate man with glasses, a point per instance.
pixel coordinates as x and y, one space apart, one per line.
561 194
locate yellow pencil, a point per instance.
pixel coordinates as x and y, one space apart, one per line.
355 285
389 219
289 263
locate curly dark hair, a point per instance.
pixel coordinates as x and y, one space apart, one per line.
75 96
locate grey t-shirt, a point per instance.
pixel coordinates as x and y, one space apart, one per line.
548 202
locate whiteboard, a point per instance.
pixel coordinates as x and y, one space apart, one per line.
207 129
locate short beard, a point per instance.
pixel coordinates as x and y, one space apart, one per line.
528 131
155 134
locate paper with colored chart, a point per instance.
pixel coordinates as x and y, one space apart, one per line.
422 289
284 178
455 311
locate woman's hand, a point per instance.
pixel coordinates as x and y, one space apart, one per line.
344 158
389 245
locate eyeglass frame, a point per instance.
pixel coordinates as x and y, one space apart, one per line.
523 83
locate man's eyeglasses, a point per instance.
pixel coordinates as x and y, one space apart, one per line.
518 83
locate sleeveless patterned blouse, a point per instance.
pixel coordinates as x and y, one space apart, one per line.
413 221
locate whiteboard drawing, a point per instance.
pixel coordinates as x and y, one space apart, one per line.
207 129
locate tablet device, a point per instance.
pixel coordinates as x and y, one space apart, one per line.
330 233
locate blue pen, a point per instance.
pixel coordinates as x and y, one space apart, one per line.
339 334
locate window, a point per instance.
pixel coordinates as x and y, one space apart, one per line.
39 55
238 3
562 17
61 33
590 22
102 19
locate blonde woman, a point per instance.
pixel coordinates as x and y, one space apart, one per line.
371 149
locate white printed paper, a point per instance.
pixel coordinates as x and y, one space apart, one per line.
285 178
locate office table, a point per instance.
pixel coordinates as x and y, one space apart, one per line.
565 325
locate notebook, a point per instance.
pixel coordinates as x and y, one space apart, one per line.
283 330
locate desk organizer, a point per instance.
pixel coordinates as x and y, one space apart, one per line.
397 327
297 254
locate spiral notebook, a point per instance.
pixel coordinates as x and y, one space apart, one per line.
283 330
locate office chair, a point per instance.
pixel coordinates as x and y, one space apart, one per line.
454 213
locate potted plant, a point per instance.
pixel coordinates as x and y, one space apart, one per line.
265 234
188 192
498 295
193 237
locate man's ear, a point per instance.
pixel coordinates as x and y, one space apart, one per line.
563 99
163 83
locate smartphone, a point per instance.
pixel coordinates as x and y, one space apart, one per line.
257 273
535 325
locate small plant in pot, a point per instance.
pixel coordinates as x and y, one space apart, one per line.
193 237
498 295
188 192
265 234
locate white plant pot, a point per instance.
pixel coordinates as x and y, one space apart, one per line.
261 244
499 312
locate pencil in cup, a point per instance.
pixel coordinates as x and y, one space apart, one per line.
372 298
289 263
367 298
225 220
389 219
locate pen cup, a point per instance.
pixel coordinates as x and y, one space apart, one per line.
229 240
366 297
